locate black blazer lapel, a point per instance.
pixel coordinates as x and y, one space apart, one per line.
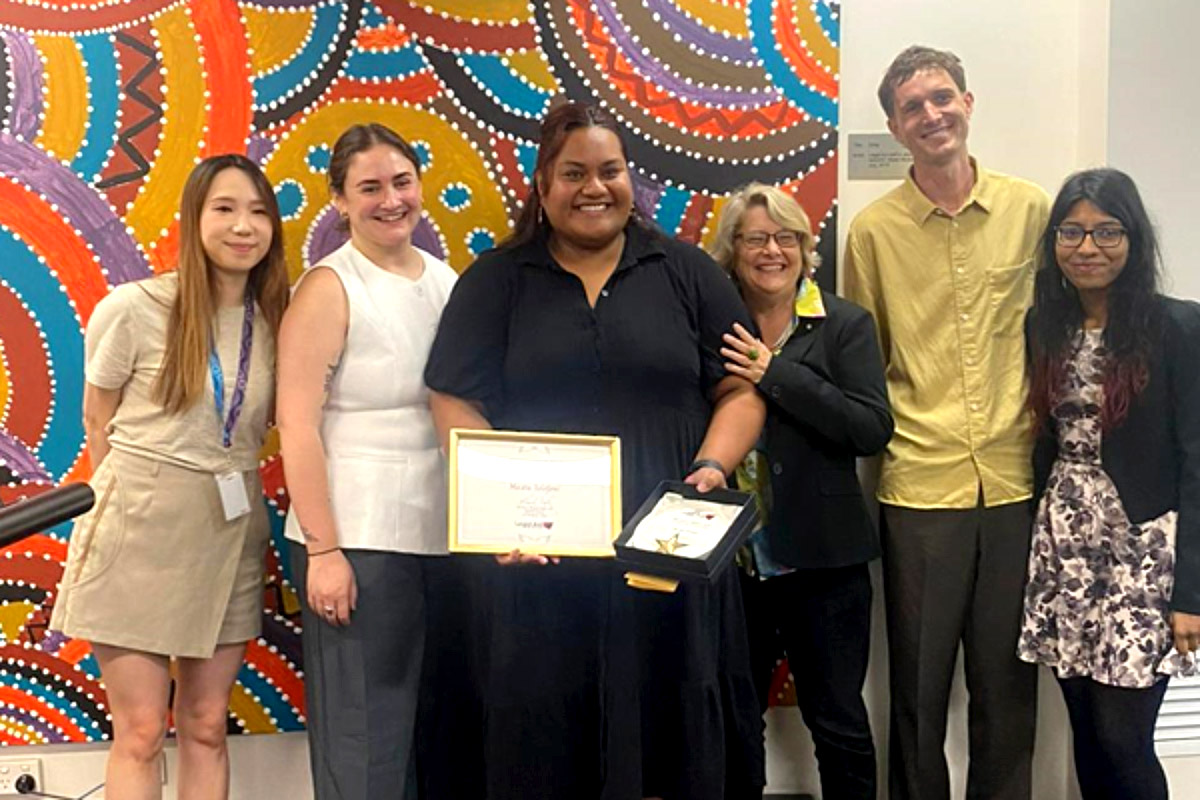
803 338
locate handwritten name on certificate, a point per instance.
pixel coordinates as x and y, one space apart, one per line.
552 498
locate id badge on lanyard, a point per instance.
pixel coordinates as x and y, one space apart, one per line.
231 485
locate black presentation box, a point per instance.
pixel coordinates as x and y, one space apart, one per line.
664 563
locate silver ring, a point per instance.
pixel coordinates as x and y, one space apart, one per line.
330 609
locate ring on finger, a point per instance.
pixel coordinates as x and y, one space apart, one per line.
752 354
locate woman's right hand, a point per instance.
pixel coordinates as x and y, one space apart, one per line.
746 356
332 589
1186 629
517 557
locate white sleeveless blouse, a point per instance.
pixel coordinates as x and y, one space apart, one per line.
387 478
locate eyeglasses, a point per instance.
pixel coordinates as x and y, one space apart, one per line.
757 240
1073 235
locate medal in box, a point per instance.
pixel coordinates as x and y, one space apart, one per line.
681 533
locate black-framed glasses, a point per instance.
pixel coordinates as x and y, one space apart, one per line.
1073 235
757 240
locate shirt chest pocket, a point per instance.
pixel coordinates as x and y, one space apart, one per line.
1010 291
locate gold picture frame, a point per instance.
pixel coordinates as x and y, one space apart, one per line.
546 493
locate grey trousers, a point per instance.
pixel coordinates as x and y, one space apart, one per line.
361 682
957 576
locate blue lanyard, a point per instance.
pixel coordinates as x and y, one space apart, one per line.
228 423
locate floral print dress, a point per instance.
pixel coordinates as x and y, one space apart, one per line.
1098 591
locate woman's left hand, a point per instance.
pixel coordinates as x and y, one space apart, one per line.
747 357
706 479
1186 628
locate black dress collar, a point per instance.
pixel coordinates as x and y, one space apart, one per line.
641 243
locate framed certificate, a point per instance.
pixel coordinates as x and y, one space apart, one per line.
680 532
545 493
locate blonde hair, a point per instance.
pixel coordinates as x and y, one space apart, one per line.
180 381
781 207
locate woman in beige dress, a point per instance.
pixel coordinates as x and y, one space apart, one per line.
168 564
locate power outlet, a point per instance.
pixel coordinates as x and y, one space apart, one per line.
13 768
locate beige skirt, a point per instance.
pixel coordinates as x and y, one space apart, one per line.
155 567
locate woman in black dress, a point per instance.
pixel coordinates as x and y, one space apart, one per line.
808 587
1112 603
587 321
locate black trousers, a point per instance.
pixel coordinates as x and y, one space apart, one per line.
450 715
957 576
821 618
1113 729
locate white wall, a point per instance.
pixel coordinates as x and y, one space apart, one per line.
1035 116
1040 72
1153 114
1152 121
274 766
1035 68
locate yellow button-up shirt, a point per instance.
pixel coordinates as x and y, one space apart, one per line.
949 294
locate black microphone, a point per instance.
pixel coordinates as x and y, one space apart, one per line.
44 511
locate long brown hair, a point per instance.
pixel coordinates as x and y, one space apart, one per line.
358 139
180 381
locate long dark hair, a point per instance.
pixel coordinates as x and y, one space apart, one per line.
181 379
1134 320
559 124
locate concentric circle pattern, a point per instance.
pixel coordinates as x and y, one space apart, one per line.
105 105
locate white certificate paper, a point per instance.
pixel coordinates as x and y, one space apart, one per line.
683 526
539 493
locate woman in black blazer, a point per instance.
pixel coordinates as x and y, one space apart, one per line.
807 587
1112 602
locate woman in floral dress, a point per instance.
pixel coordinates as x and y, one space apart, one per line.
1112 602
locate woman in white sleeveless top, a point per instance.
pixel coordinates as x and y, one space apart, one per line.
363 468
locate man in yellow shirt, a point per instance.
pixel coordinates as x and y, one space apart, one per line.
945 263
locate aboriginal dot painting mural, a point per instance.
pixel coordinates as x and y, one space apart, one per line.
105 105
